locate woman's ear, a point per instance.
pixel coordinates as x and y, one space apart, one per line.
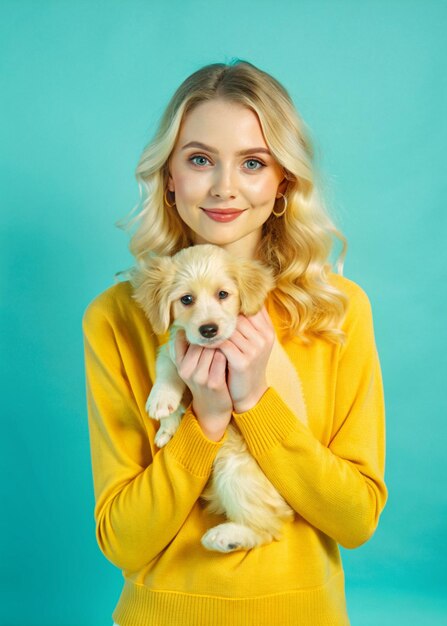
169 180
282 187
152 290
254 281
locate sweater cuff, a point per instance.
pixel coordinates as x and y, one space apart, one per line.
191 448
267 424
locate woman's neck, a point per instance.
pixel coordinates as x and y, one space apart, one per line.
247 247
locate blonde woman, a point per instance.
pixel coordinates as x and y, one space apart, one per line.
231 165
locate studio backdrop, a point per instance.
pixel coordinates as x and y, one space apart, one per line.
83 85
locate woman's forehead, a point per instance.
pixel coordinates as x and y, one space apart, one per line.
218 121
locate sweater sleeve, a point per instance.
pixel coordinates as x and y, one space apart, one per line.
142 498
338 488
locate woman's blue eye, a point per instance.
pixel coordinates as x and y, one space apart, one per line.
256 162
186 300
192 159
200 160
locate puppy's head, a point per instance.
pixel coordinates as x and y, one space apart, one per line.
201 289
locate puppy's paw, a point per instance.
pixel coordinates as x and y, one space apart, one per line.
162 402
231 537
162 437
168 426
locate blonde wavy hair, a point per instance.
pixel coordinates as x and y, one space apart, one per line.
296 245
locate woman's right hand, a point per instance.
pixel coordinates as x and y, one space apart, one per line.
203 370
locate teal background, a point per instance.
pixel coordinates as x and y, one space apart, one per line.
82 86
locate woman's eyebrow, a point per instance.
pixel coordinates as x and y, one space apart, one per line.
203 146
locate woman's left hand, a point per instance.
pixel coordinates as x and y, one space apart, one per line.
247 352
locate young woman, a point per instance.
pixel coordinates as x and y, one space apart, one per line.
231 165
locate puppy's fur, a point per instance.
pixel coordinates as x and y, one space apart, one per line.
202 289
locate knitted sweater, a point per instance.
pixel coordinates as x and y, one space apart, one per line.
328 465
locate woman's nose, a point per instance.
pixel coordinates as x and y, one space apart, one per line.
224 185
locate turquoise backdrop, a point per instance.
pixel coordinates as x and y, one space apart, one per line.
82 87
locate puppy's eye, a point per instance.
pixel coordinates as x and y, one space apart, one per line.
188 299
223 295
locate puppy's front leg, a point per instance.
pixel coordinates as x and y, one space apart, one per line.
164 399
168 427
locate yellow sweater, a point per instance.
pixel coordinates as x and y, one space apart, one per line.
149 515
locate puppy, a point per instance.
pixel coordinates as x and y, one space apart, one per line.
201 290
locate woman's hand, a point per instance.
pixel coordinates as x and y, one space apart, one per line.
204 371
247 352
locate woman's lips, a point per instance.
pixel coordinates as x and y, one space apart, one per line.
223 215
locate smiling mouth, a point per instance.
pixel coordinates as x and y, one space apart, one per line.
222 215
222 211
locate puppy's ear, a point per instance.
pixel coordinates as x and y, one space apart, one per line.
152 290
254 280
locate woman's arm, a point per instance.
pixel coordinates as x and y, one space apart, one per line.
142 498
339 489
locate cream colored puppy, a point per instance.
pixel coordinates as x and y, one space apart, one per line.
202 289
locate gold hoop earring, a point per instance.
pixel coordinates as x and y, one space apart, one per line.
284 209
166 200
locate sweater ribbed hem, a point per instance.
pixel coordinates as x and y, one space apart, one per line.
267 423
320 606
191 448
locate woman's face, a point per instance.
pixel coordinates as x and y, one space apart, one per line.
221 162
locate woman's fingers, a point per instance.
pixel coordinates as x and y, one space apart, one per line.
198 363
186 355
217 370
254 324
202 368
252 334
210 368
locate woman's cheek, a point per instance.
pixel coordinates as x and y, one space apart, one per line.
194 186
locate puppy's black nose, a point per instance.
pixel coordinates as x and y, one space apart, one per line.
208 330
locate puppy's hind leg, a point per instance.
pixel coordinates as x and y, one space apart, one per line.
230 537
240 490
